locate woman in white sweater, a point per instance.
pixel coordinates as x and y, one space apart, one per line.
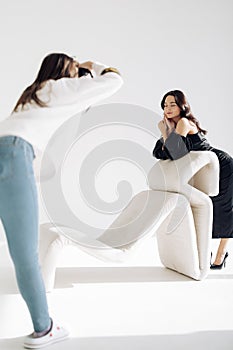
57 93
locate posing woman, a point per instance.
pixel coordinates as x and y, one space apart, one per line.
182 133
57 93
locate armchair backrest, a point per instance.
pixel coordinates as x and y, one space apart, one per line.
199 169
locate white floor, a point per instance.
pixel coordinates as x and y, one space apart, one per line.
139 306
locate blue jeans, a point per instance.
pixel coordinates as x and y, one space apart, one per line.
19 215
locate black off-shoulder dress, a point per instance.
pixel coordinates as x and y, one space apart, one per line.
176 146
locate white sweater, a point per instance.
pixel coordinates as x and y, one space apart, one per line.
64 98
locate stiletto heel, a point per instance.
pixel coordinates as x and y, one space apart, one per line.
220 266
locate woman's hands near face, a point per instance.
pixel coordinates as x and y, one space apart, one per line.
170 125
162 127
166 126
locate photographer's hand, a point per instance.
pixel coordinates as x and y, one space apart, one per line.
87 65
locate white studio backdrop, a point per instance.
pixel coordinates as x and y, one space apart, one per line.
157 45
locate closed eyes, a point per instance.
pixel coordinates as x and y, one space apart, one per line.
171 105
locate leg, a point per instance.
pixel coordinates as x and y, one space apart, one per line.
19 214
221 251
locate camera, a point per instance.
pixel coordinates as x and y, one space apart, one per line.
83 72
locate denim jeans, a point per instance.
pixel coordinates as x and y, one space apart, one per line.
19 215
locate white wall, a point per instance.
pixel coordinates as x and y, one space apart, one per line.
157 45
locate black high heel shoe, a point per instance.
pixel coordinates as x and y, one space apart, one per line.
223 264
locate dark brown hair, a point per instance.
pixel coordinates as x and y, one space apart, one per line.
185 110
54 66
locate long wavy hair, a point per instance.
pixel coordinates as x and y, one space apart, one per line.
185 110
54 66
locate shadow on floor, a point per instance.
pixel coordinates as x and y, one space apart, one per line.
65 277
216 340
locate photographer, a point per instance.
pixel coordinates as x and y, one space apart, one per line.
58 92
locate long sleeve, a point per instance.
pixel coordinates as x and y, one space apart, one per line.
64 98
158 151
175 147
85 90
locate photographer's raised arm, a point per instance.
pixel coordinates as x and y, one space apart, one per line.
86 90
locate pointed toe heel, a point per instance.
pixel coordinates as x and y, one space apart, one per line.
220 266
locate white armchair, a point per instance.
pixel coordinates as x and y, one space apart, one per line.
184 237
176 207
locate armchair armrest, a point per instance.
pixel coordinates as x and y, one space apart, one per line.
199 169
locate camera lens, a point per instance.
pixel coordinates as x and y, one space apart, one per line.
83 72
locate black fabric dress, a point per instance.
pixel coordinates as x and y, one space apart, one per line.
176 146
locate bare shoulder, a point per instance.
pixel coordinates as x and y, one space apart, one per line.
183 126
184 122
